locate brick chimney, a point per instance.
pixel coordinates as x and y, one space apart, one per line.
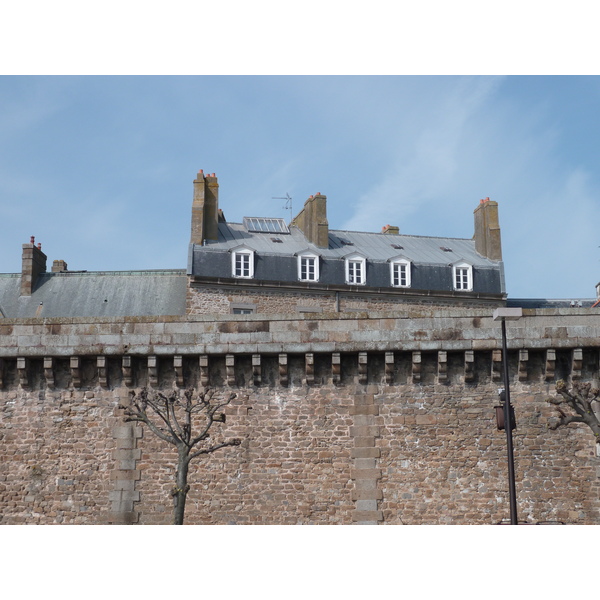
487 230
33 263
205 208
390 230
59 266
312 221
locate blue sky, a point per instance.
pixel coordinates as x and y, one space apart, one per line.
100 169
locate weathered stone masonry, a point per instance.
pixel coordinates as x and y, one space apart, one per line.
345 418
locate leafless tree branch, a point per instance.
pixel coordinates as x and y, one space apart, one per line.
179 416
579 399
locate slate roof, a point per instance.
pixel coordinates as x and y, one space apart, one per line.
375 246
276 261
96 294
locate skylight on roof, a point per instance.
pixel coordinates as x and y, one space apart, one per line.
265 225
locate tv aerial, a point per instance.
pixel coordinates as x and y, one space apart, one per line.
288 204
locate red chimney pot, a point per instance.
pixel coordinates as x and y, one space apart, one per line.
32 240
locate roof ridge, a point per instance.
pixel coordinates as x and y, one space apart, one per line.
390 235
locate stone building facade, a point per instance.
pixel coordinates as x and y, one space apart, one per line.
353 405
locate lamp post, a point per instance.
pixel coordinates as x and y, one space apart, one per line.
510 314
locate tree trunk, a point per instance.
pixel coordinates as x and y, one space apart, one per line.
181 488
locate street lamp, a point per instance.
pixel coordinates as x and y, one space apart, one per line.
508 314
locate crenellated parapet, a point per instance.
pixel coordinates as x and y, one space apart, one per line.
296 369
428 346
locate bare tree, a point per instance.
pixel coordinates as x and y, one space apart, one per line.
583 399
174 418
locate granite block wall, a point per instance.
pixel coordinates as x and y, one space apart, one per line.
372 446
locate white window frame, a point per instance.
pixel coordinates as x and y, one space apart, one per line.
354 263
308 256
397 264
237 308
245 255
462 277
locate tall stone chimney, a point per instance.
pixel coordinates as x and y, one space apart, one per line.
33 263
205 208
312 221
487 230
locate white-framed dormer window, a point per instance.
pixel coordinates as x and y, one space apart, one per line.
242 263
356 270
462 275
400 272
308 267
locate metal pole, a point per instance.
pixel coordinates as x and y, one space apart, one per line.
508 427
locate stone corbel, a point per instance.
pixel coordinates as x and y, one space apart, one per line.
336 364
523 359
550 364
442 366
204 370
75 366
230 369
469 365
497 365
127 375
256 369
416 367
49 372
22 372
178 366
153 371
389 367
577 363
102 371
283 370
362 367
309 362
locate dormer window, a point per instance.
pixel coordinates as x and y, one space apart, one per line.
242 263
308 267
400 272
463 277
356 271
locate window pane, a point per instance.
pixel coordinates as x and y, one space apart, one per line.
355 272
308 268
242 265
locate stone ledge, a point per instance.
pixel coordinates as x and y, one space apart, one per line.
365 453
123 518
372 494
367 515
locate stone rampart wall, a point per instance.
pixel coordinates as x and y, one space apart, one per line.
369 419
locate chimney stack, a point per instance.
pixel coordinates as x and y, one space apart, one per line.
59 266
205 208
487 230
33 263
312 221
390 230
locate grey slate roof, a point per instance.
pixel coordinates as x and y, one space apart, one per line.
276 260
375 246
96 294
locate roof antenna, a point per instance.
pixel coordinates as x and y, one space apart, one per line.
288 204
